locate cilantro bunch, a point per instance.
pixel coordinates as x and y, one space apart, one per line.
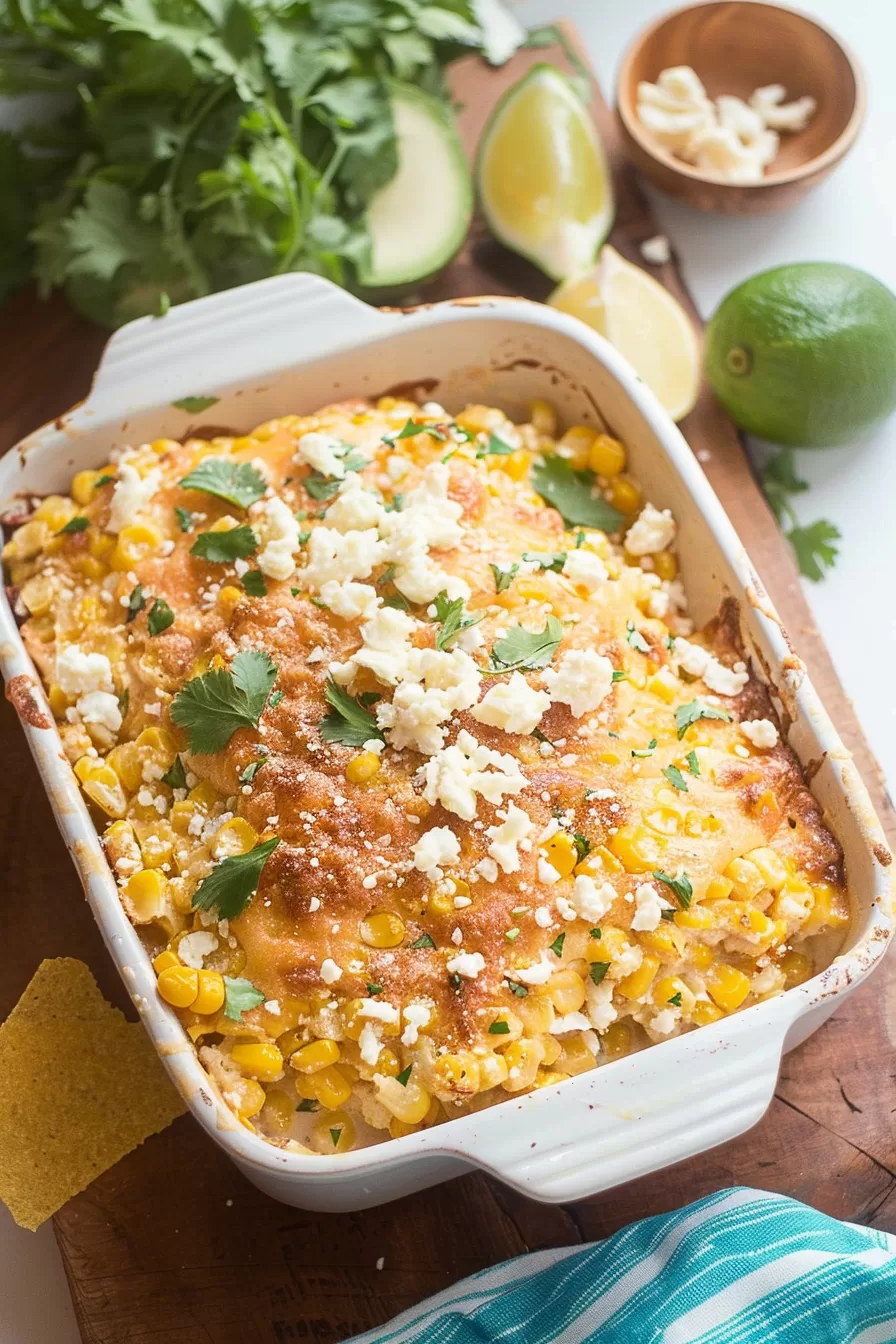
200 144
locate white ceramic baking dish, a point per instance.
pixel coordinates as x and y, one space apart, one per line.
292 344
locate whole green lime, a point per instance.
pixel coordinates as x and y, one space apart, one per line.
805 354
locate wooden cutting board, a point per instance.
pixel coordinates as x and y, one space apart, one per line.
173 1246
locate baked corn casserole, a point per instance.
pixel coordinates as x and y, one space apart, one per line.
414 775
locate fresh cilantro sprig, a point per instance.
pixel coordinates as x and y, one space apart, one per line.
695 710
240 996
554 560
813 543
77 524
231 884
531 649
504 577
238 483
214 706
453 617
136 603
572 494
222 548
681 886
676 778
176 776
495 446
160 617
414 427
349 721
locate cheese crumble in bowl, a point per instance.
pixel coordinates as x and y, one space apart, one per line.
417 781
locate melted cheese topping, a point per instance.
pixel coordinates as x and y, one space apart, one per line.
527 869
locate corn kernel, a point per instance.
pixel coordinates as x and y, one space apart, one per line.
625 496
560 852
719 888
362 767
260 1060
664 685
638 850
566 991
135 542
606 456
771 865
236 836
616 1041
388 1063
796 967
606 948
576 1056
543 416
144 893
55 511
228 599
665 566
695 917
673 987
492 1071
727 986
661 940
704 1013
334 1133
315 1056
100 545
408 1103
829 910
636 985
746 878
278 1111
458 1073
663 820
204 795
331 1088
210 998
125 760
523 1058
578 440
101 784
700 955
383 928
38 595
480 419
83 486
515 465
164 960
252 1097
179 985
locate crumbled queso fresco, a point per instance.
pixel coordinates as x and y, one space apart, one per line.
416 779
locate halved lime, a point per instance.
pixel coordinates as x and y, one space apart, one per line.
805 354
542 174
643 321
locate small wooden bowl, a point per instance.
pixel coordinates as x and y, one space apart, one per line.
736 46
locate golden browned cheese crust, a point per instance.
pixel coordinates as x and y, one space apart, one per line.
667 864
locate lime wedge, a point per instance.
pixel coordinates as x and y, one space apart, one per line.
542 174
643 321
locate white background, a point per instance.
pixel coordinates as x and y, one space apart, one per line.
849 218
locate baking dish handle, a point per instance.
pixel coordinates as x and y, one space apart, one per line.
638 1114
200 348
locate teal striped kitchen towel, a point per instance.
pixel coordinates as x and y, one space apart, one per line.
738 1267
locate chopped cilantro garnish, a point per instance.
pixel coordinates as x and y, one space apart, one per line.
423 941
598 970
76 524
373 989
511 935
504 577
455 980
572 494
635 639
413 427
184 518
583 846
105 479
275 699
680 885
307 1104
620 676
220 548
693 764
453 617
254 584
251 770
594 933
521 991
336 1135
176 776
136 603
193 405
240 996
160 617
531 649
398 601
499 1028
676 778
675 999
212 707
557 945
404 1075
496 447
348 721
231 884
687 714
547 560
238 483
648 750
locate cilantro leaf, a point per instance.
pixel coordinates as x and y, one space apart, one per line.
251 770
648 750
779 479
136 603
404 1076
635 639
814 548
693 763
557 945
254 584
571 494
176 776
231 884
195 404
680 885
453 617
694 710
555 560
238 483
517 988
308 1104
220 548
499 1028
160 617
348 721
495 446
240 996
598 970
675 999
676 778
184 518
413 427
77 524
504 577
423 941
214 706
521 648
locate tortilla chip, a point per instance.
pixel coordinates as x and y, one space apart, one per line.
79 1088
62 987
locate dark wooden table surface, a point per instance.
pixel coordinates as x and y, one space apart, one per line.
173 1246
